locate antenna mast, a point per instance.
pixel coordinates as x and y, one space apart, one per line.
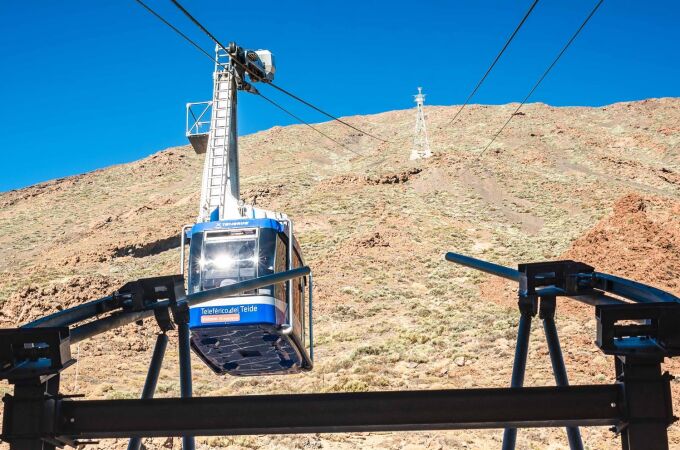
421 144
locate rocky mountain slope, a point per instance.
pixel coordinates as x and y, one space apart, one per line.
600 185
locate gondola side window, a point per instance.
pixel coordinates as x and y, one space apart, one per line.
281 266
195 249
267 257
297 292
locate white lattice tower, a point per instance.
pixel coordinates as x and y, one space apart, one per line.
421 144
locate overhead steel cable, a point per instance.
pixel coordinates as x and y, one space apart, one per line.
175 29
192 42
290 94
279 88
507 43
307 124
200 26
557 58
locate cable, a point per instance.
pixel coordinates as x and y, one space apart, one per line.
507 43
309 125
188 39
199 25
559 55
288 93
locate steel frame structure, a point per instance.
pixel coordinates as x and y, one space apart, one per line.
640 327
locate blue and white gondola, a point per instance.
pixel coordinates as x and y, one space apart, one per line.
255 333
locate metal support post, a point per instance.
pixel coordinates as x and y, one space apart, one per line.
30 418
151 379
648 403
547 313
311 321
527 308
184 338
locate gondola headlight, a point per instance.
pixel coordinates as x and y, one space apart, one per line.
223 261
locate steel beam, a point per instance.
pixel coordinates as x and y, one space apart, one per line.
73 315
557 361
590 405
29 420
518 370
648 403
484 266
185 385
638 292
151 379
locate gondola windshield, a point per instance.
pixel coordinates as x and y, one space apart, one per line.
227 261
226 257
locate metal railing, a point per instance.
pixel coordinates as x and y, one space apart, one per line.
198 118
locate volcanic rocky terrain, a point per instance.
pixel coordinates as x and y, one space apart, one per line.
599 185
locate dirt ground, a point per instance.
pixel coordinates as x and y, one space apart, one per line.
599 185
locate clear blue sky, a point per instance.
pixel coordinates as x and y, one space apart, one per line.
86 84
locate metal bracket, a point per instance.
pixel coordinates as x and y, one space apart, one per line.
137 295
180 313
33 353
528 305
547 307
649 330
563 275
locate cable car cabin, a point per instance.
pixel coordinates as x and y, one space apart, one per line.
248 334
